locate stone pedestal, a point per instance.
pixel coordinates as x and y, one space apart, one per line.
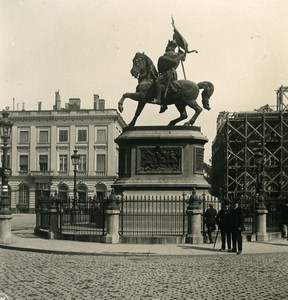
261 233
5 229
160 163
161 160
194 226
112 225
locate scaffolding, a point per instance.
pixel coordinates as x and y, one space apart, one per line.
239 136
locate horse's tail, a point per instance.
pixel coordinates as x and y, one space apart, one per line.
207 92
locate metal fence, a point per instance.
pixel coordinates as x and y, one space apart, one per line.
75 218
274 216
153 216
144 215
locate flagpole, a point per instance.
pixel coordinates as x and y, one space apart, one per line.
182 64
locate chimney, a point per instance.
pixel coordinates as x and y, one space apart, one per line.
96 102
23 107
39 105
13 103
57 105
101 104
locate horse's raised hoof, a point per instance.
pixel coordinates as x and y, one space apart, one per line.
120 107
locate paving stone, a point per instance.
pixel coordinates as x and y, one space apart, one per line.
28 275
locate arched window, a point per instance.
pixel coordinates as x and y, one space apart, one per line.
63 191
82 192
101 191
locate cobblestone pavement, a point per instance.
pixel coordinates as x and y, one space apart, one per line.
26 275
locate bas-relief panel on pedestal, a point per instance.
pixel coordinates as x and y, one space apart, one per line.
159 160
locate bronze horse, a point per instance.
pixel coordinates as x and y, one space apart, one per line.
144 70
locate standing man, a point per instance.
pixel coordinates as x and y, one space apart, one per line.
237 218
284 217
223 220
210 221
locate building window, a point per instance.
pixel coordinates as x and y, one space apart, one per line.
63 192
63 158
101 136
82 193
82 135
63 135
43 162
43 136
24 137
23 162
101 163
82 163
23 194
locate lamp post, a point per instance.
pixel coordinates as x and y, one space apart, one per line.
5 172
260 209
75 157
258 161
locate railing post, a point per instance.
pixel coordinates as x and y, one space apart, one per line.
194 212
53 216
261 228
37 212
5 228
112 220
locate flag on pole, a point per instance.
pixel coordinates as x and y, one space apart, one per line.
181 42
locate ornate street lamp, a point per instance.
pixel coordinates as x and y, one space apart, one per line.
75 157
5 172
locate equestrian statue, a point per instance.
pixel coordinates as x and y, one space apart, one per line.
162 87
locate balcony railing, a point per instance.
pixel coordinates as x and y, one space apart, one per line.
41 173
101 173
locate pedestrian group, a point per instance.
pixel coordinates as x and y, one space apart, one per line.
230 222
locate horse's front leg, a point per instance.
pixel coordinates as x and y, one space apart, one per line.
133 96
139 109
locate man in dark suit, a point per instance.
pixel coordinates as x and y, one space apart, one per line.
210 221
237 218
223 220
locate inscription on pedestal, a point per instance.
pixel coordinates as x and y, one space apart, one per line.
153 160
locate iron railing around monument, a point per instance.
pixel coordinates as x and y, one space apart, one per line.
274 215
153 216
86 217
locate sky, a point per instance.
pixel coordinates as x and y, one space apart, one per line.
86 47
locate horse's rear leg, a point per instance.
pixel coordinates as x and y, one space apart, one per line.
198 111
183 114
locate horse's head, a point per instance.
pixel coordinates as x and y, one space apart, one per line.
139 64
143 66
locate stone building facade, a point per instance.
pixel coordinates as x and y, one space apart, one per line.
42 142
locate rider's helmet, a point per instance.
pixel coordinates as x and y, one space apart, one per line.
171 45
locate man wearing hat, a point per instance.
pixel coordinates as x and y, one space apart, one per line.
237 217
223 220
210 221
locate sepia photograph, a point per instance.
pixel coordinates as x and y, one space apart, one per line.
144 149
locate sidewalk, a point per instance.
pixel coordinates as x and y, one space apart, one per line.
25 240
